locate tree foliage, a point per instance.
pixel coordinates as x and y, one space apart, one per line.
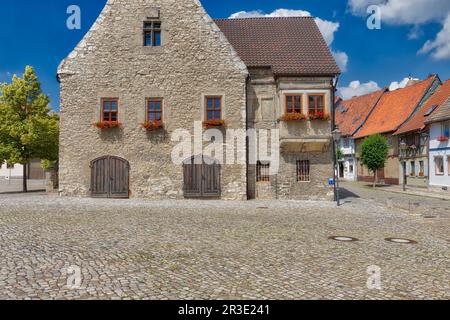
374 153
28 129
340 154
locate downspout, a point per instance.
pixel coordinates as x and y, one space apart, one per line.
247 82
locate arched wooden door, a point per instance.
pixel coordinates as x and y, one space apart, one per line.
110 177
201 177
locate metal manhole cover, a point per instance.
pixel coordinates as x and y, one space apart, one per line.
343 239
401 240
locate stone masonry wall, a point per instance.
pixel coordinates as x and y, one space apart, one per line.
265 107
195 60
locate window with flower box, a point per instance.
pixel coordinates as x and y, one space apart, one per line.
110 110
316 106
293 103
154 110
153 114
213 108
213 112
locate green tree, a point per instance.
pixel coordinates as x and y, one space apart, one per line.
340 154
374 153
28 130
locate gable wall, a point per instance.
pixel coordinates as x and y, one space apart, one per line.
194 60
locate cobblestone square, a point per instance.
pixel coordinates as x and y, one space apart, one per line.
136 249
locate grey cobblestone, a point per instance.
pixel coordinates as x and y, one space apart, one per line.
137 249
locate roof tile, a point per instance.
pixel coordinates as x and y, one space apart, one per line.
417 122
353 112
290 45
394 108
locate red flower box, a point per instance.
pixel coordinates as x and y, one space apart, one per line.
107 124
293 117
318 116
213 123
152 125
442 138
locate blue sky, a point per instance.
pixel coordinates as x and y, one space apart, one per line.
35 33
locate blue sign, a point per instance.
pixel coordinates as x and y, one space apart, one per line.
331 182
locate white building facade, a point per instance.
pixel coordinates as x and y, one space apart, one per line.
8 172
347 166
439 154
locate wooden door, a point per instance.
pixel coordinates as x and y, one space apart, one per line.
110 177
201 178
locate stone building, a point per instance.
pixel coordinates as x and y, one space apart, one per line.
151 74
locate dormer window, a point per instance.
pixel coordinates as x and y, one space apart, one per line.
152 33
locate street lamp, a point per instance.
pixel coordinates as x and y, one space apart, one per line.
403 147
336 137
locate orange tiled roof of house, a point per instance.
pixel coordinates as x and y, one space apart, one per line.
417 122
394 108
441 114
351 114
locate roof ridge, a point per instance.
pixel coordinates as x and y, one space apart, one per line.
260 18
382 91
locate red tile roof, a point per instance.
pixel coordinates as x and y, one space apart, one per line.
441 114
417 122
352 113
290 45
394 108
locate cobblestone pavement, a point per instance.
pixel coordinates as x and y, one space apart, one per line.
135 249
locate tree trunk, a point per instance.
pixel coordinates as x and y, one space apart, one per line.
24 179
375 178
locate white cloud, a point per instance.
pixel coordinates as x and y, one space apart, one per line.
440 46
356 89
402 84
399 12
327 28
341 59
414 13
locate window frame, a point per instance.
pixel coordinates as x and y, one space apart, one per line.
147 109
421 168
443 129
102 102
412 167
351 166
214 110
300 175
152 30
322 95
436 166
263 171
292 96
448 165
